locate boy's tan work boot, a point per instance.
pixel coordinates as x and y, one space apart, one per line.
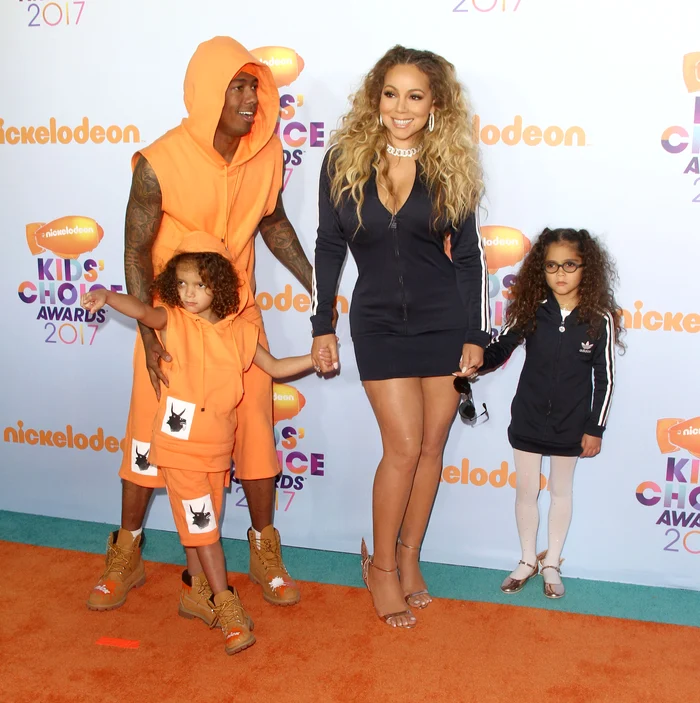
268 570
195 597
124 570
234 622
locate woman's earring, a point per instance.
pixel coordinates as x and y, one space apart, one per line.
431 122
381 121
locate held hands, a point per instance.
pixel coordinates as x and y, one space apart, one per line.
94 300
324 353
590 445
471 361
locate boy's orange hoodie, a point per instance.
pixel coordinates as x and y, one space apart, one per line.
201 191
195 426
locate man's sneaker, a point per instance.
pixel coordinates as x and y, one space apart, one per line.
230 616
194 598
267 568
124 570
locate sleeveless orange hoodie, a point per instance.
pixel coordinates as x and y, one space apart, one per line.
201 191
195 426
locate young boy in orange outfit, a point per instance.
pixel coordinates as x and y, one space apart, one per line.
200 295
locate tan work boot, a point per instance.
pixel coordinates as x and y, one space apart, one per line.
268 570
194 598
233 620
124 570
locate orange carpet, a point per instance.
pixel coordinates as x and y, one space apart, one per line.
329 648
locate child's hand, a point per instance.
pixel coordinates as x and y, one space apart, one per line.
325 356
94 300
325 353
590 445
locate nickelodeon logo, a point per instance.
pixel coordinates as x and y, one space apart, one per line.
285 64
300 302
54 134
503 246
287 402
498 478
67 237
65 438
531 135
655 321
675 433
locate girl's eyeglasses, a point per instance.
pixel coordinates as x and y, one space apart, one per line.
568 266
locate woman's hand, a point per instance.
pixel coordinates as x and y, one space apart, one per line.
471 361
324 353
590 445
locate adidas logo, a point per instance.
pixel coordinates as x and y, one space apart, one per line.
586 347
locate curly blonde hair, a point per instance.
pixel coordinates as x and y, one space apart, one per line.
449 158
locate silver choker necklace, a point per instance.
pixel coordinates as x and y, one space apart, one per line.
405 153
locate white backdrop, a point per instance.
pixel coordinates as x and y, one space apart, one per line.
623 76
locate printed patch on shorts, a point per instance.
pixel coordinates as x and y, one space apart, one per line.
177 421
199 513
139 459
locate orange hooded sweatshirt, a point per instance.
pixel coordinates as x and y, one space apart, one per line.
195 426
201 191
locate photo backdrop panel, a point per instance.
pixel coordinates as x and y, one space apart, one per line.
587 114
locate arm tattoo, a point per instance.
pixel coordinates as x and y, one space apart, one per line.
282 240
143 218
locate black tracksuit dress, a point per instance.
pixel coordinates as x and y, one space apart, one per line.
566 384
412 307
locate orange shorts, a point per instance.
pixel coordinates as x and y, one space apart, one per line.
254 451
196 498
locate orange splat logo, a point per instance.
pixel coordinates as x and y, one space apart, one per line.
675 433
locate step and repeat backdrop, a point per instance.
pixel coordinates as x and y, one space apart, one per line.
587 113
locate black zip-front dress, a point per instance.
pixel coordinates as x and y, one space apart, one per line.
566 385
413 307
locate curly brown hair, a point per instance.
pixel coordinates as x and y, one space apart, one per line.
596 294
216 272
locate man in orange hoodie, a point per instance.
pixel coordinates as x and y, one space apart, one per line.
219 171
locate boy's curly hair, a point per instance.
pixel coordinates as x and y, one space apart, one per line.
596 294
216 272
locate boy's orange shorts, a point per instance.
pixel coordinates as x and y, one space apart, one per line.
196 498
254 451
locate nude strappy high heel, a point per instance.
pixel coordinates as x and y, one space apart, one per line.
551 590
366 563
413 595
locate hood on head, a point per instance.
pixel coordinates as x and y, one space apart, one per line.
201 242
211 69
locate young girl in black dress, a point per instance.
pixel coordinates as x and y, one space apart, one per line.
563 308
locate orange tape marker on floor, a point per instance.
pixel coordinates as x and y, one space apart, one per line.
116 642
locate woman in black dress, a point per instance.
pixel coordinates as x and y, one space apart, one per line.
400 186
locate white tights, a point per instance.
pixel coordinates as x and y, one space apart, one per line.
527 516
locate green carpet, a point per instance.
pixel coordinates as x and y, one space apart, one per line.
663 605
